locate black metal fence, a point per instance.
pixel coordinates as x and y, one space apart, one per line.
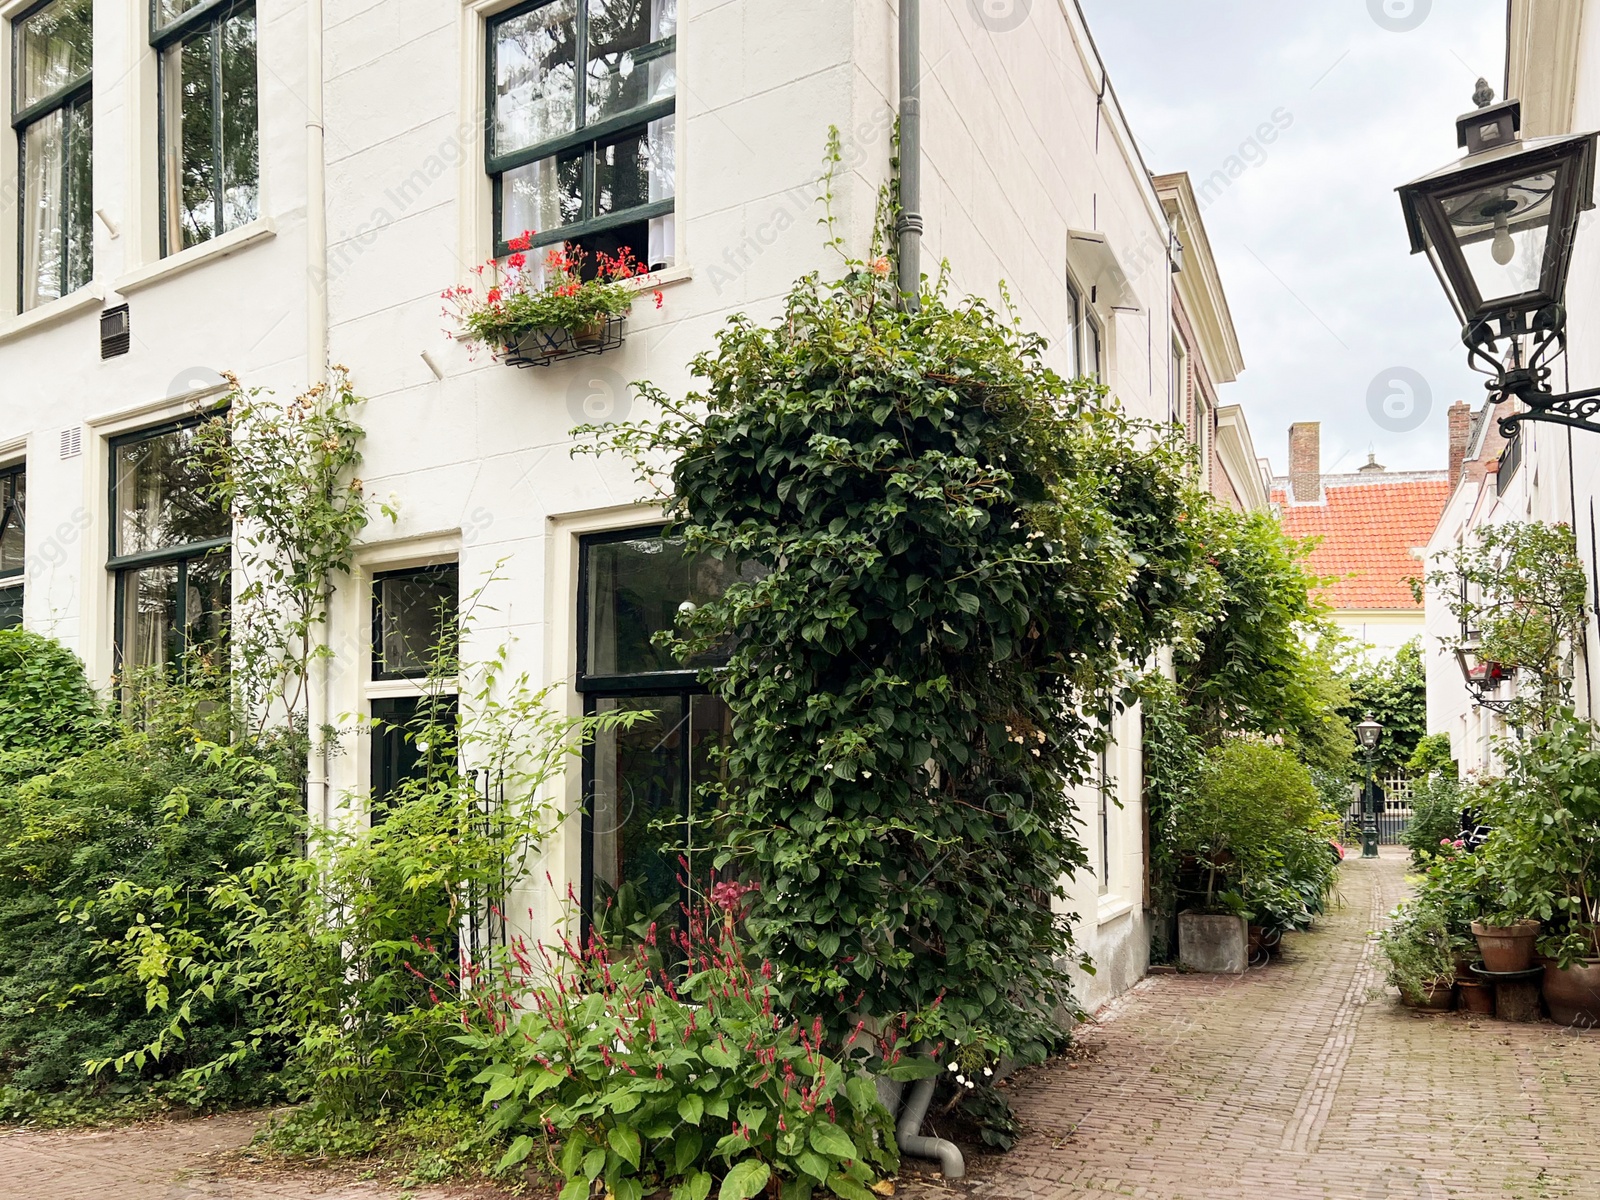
1394 810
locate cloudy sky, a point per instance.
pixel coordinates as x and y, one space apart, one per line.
1310 242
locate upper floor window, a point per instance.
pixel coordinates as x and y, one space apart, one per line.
581 125
1074 322
52 112
13 532
210 168
169 549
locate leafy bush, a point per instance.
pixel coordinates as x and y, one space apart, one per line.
1419 950
1437 803
1393 690
47 707
1253 826
651 1085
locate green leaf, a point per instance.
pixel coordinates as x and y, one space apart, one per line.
594 1162
520 1149
845 1188
686 1150
624 1101
625 1142
576 1189
748 1177
827 1138
691 1108
499 1088
572 1153
813 1164
696 1187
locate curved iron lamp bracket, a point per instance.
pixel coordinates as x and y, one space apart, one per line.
1529 381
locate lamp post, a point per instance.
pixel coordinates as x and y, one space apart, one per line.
1368 732
1499 226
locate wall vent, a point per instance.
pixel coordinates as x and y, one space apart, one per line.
116 334
72 442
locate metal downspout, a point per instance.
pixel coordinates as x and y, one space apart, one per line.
909 226
318 697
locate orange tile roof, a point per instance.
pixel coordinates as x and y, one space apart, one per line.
1368 532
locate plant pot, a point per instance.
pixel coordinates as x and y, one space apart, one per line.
1441 997
588 335
1506 948
1213 942
1573 995
1477 998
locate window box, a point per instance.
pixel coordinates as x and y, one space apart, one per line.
550 343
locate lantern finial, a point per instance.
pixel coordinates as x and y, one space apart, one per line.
1483 94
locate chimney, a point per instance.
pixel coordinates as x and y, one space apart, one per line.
1305 462
1460 438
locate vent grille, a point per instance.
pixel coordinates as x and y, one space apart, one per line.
116 333
72 442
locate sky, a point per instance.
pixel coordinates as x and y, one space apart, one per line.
1337 321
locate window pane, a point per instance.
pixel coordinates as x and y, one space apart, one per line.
43 200
161 488
637 801
710 733
635 589
13 493
10 607
207 592
417 616
1074 317
241 190
80 197
191 173
401 750
634 169
630 62
54 49
542 195
149 635
535 57
168 11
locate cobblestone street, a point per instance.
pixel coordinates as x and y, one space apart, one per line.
1299 1082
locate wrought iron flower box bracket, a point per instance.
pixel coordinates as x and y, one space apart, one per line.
541 347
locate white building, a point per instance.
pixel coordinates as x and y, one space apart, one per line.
351 179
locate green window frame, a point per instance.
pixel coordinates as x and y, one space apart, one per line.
208 117
170 551
52 114
13 542
591 150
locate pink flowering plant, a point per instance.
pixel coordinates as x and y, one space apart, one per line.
511 299
689 1077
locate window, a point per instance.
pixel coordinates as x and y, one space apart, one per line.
1074 324
53 114
1092 366
169 550
581 126
206 82
1178 394
415 634
643 783
13 529
1103 812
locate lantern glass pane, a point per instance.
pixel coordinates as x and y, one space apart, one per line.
1502 230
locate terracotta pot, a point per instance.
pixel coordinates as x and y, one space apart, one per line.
590 333
1573 995
1476 997
1506 948
1441 997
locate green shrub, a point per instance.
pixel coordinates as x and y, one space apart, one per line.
1437 802
1420 950
707 1083
47 707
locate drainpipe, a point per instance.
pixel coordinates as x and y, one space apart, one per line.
909 227
907 1133
318 699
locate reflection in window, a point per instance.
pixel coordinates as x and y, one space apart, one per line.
52 111
210 172
412 741
414 621
594 165
646 820
13 533
169 551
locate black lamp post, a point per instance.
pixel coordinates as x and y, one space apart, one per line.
1368 732
1499 226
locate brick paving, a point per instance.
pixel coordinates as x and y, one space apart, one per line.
1304 1080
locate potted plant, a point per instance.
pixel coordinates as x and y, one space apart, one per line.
1421 956
531 314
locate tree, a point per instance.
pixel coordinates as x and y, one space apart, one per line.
1394 691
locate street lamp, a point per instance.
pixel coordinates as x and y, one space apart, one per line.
1368 733
1499 226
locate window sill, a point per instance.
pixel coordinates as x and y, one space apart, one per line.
663 278
195 256
1113 908
93 296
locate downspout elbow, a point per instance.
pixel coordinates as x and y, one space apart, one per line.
908 1133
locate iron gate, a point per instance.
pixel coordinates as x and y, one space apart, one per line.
1394 811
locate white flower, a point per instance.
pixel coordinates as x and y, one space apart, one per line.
987 1072
962 1079
952 1066
970 1084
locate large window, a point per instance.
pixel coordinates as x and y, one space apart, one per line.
13 533
169 550
581 125
645 817
53 115
210 172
